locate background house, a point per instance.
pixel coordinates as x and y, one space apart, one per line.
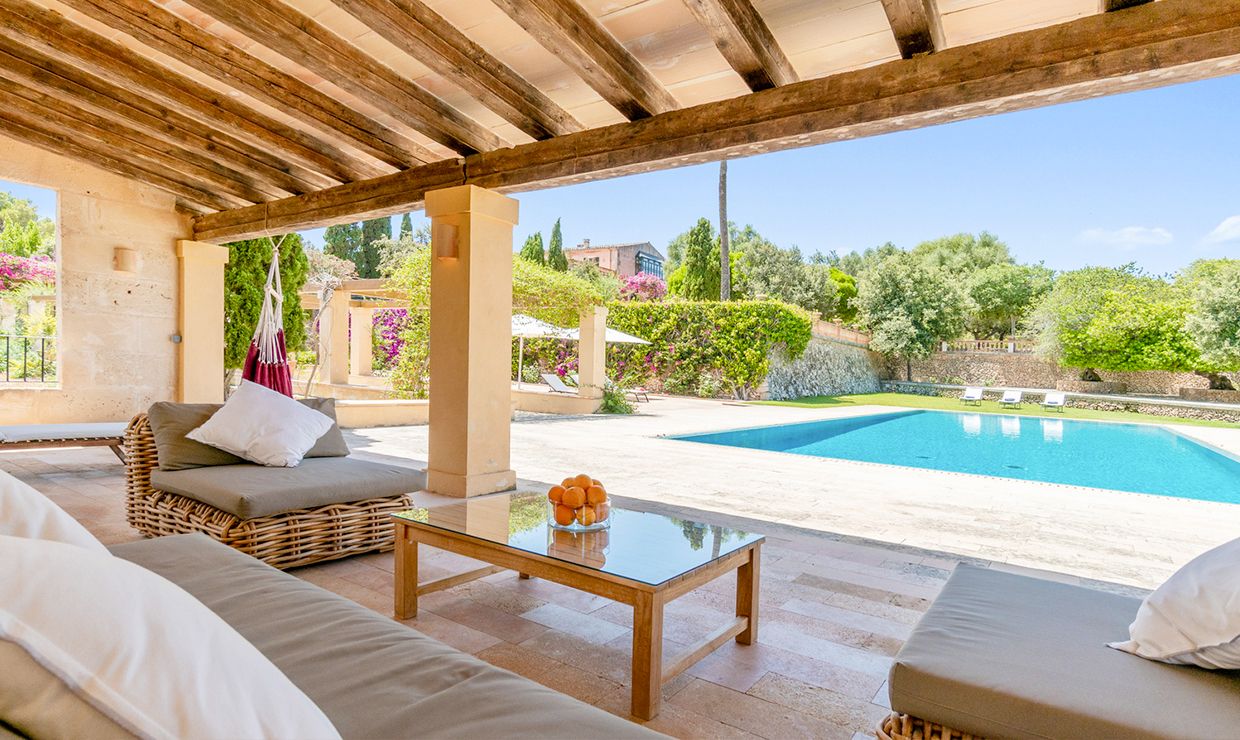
622 259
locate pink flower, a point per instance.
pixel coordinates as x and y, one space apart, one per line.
643 287
16 271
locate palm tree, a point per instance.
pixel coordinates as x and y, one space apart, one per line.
725 267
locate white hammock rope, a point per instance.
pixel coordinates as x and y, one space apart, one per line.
271 318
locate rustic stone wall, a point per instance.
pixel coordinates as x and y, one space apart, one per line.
115 349
1135 405
1029 371
826 369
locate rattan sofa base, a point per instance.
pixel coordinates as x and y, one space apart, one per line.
282 540
896 726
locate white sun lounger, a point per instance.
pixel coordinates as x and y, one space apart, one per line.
1011 399
972 395
38 436
1054 400
557 385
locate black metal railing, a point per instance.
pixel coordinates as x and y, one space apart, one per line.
28 359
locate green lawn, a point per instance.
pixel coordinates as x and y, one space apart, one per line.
905 400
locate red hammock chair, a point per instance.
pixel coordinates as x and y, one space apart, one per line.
267 361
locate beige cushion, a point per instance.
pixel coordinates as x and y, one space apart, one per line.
150 659
1002 655
24 512
248 491
170 422
372 676
57 432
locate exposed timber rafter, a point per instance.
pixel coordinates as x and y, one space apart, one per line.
306 42
1158 44
219 59
916 24
1108 6
58 38
428 37
745 41
116 104
568 30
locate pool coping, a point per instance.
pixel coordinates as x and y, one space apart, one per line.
680 437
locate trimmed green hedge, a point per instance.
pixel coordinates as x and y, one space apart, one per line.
696 343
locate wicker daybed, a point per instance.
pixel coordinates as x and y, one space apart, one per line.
1005 655
286 538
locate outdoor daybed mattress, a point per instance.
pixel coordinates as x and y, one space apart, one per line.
371 676
1003 655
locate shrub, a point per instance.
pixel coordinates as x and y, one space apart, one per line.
614 401
643 287
16 271
733 340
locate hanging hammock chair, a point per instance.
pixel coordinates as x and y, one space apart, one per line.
266 363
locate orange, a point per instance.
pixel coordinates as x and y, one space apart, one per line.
597 483
602 511
567 483
573 498
556 494
595 495
563 515
585 516
583 481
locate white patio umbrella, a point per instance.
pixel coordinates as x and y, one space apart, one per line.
611 336
527 327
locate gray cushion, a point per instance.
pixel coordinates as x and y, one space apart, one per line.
48 432
170 422
248 491
1003 655
371 676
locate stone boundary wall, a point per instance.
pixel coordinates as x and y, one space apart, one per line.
1136 405
1029 371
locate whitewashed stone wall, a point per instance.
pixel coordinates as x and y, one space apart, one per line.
116 352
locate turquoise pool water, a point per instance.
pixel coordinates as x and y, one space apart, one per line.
1122 457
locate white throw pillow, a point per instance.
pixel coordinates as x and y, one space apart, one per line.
263 426
24 512
1194 617
147 657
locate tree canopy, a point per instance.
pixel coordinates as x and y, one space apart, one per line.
1003 294
1213 320
556 259
964 254
909 306
22 232
532 250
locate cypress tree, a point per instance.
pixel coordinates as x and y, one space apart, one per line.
532 250
406 226
556 258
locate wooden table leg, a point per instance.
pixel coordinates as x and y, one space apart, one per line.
524 576
406 574
647 655
747 595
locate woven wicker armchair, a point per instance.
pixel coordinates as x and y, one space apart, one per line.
896 726
282 540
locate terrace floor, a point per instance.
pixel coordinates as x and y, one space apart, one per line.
855 553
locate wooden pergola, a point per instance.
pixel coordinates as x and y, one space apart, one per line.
267 116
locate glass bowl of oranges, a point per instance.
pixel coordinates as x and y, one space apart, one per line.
579 504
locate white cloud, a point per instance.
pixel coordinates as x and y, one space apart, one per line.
1227 231
1129 236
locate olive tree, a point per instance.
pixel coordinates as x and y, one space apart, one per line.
909 306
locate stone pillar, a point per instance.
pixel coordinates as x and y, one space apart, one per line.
592 352
361 341
334 339
200 319
470 341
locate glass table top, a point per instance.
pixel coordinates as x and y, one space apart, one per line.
640 546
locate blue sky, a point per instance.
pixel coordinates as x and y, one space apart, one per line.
1151 177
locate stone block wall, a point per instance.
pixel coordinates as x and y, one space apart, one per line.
1029 371
116 355
827 368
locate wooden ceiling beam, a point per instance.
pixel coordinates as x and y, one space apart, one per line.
307 43
166 32
1158 44
917 26
426 36
1109 6
55 36
745 41
36 134
118 138
115 103
568 31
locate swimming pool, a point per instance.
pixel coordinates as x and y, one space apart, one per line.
1140 458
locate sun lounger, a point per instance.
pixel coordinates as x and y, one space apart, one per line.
972 395
1054 400
41 436
1011 399
557 385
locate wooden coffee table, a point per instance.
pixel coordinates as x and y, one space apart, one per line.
644 559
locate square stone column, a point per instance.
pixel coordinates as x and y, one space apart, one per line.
361 341
592 352
470 341
200 302
334 339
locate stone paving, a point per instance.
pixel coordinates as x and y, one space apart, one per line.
855 553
